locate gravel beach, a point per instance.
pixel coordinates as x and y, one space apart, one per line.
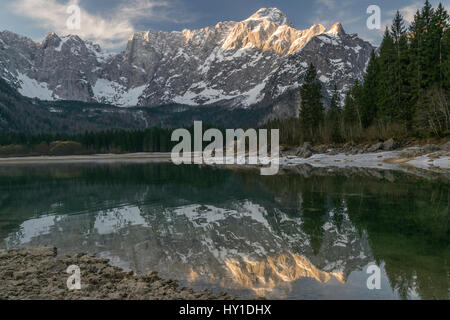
41 274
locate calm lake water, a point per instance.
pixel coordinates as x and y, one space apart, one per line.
291 236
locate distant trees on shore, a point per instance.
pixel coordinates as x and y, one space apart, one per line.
112 141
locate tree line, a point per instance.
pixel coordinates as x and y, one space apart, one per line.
111 141
405 92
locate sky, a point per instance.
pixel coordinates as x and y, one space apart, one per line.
111 22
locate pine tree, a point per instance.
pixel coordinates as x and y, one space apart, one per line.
440 24
446 64
334 116
385 92
368 110
416 49
402 103
426 51
430 47
351 112
312 110
429 60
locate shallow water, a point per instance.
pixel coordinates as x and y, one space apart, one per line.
292 236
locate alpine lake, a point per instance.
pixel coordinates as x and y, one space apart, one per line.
303 234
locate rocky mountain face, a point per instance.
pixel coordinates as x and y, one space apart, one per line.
234 64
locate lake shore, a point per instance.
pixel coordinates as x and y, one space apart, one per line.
99 158
40 274
431 157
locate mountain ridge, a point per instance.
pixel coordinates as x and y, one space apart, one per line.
233 64
19 114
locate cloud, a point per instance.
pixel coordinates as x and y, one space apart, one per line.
408 12
110 32
330 4
340 11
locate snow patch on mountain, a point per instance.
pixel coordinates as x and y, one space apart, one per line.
34 89
61 44
111 92
272 14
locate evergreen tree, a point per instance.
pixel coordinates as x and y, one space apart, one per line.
423 51
351 114
416 48
430 49
385 92
334 116
312 110
368 110
440 25
402 103
446 64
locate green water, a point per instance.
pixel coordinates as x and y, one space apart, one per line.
289 236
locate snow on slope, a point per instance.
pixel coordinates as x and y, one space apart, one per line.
33 89
114 93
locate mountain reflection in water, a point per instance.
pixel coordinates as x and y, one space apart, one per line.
287 237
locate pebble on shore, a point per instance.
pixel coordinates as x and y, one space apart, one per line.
41 274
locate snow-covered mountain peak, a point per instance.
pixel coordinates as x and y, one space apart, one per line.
235 64
272 14
50 36
266 35
337 29
317 29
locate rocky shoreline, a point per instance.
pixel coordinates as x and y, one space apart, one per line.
390 155
41 274
412 149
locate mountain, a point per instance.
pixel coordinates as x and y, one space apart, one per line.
33 116
258 61
22 114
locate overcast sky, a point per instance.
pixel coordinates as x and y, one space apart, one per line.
111 22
